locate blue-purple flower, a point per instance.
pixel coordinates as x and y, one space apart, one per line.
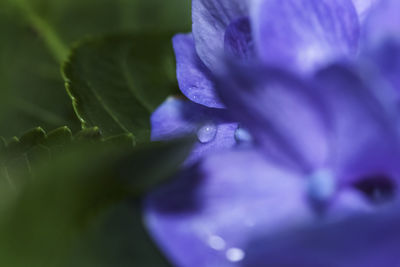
316 84
301 35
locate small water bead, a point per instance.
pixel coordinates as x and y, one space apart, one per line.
207 132
321 186
242 135
216 242
235 254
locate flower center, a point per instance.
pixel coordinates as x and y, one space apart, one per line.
377 188
321 187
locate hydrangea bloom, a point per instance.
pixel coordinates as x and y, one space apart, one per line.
320 185
301 34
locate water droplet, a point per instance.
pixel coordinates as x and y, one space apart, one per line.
207 133
242 135
321 186
192 90
235 254
216 242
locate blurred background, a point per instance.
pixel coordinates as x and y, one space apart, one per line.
32 90
60 202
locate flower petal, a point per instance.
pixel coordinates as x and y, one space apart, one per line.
281 111
305 34
213 208
210 20
364 7
309 124
365 139
193 76
367 241
383 22
239 40
385 58
179 117
382 41
218 206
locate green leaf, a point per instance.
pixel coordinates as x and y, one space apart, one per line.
92 133
142 163
118 238
70 200
58 137
73 19
116 82
35 36
32 138
18 154
31 87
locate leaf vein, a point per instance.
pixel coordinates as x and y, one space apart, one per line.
132 89
107 109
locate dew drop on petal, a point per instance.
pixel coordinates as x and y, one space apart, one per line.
235 254
242 135
216 242
193 96
207 133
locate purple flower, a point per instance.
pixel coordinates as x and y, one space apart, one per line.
302 35
308 31
201 113
319 187
177 117
327 148
364 7
367 241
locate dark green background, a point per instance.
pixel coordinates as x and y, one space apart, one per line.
71 182
32 92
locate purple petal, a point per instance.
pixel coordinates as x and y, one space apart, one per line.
366 241
209 215
305 34
382 41
210 20
239 40
335 120
383 22
364 7
386 59
193 76
213 209
364 140
281 112
178 117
